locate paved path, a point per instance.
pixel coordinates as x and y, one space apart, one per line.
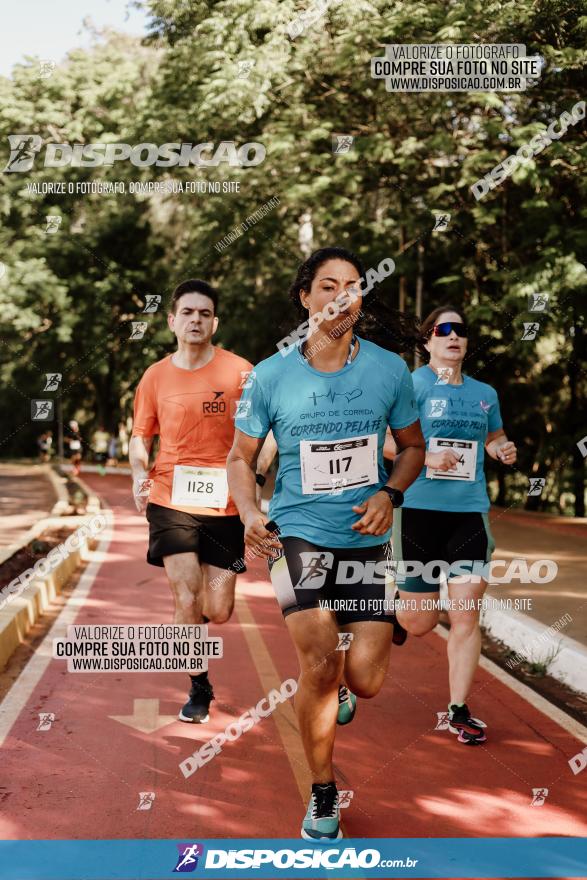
26 495
82 778
539 536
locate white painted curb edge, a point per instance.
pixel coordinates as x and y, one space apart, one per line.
522 634
571 725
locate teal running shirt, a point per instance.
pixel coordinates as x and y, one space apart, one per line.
330 429
466 412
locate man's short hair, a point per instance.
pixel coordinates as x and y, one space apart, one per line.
194 285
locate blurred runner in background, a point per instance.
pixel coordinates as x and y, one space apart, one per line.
189 400
73 446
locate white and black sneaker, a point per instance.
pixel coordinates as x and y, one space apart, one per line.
197 708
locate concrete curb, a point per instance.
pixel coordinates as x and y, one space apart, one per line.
93 502
526 636
22 612
36 530
58 482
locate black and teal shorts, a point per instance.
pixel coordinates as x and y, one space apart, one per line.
355 583
429 542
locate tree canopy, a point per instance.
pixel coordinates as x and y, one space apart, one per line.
231 71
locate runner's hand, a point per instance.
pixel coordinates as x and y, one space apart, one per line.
507 453
442 461
377 515
257 538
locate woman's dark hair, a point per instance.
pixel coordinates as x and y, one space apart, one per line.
386 326
429 322
307 271
380 323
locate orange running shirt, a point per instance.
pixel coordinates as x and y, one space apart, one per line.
192 412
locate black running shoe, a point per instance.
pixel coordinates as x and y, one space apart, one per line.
197 708
470 730
399 633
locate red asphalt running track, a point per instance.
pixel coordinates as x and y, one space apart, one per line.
81 779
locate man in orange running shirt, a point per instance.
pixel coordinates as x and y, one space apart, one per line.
189 400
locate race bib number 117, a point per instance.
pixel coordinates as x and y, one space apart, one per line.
338 464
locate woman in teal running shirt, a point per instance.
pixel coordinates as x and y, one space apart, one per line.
328 402
444 519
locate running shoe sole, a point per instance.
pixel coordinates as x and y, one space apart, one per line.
468 739
323 839
183 717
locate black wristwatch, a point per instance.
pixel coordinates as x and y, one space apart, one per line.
261 479
396 495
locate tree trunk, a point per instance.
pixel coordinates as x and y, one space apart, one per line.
576 417
403 298
419 295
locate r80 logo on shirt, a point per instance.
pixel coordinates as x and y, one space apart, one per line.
214 407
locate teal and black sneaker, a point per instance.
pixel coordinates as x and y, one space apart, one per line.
321 821
347 705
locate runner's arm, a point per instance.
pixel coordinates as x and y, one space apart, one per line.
264 460
138 456
500 448
444 461
377 510
241 467
389 447
411 453
267 454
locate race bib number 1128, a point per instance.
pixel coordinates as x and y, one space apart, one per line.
199 487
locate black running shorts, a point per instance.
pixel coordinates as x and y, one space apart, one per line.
355 584
423 540
217 540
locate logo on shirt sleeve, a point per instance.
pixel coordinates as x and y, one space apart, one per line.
242 409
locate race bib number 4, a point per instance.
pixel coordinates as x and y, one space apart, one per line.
199 487
466 453
338 465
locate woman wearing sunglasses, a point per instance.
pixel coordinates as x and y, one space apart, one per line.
444 515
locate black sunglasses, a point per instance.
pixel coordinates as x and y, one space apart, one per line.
446 327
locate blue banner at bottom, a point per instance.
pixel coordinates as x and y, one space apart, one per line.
452 858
